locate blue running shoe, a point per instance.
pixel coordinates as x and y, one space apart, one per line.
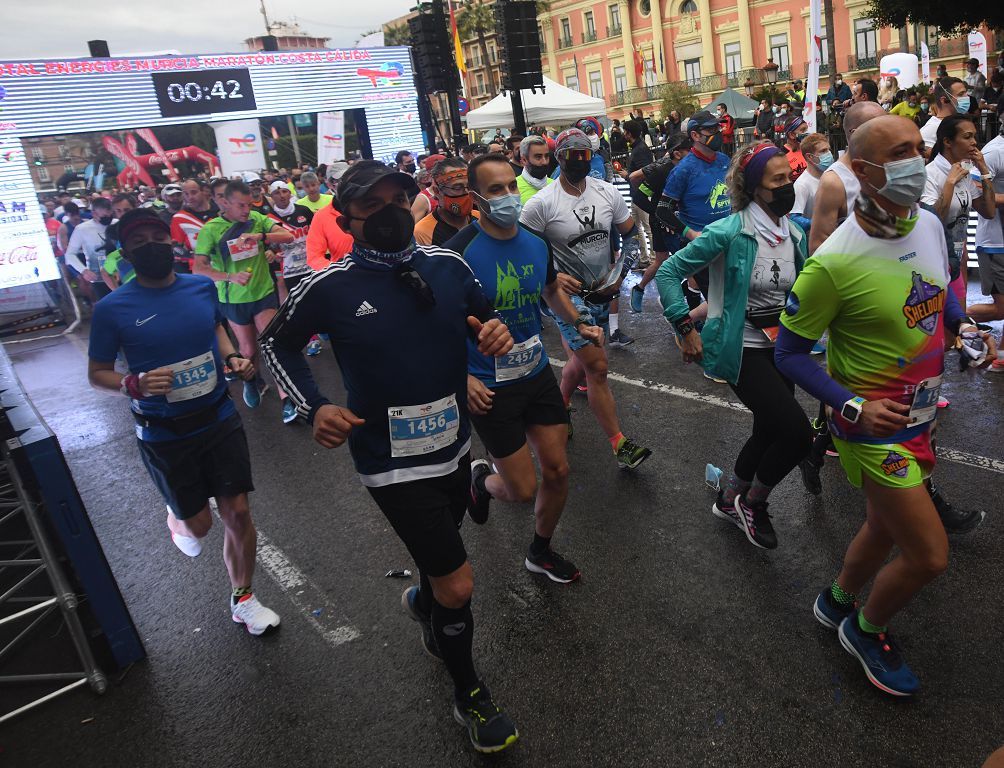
827 612
314 348
818 349
252 397
880 658
409 602
637 295
288 411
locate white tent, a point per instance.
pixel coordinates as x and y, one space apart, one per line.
557 106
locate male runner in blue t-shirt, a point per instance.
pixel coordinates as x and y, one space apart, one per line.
514 398
190 437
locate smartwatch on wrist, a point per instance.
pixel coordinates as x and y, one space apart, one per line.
683 326
581 320
851 410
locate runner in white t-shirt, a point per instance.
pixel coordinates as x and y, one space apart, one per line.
990 246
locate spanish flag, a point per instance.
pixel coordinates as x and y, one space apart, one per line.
458 51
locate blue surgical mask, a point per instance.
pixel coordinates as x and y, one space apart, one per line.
962 104
904 180
504 211
825 160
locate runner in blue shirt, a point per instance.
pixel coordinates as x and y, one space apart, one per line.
515 398
190 437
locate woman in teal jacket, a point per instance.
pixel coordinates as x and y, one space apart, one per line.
753 258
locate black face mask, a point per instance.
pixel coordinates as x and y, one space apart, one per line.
153 260
575 170
409 168
105 220
390 229
537 171
782 200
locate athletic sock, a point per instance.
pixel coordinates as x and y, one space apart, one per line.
613 323
540 544
239 594
479 482
867 626
758 492
736 487
616 440
454 630
841 596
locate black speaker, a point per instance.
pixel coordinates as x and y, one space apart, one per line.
519 41
433 53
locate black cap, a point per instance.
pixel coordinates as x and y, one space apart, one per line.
703 119
359 178
139 217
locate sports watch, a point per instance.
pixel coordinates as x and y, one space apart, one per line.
851 410
684 326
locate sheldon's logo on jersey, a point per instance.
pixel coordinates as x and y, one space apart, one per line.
924 304
896 464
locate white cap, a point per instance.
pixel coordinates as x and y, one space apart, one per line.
248 176
171 189
337 169
277 185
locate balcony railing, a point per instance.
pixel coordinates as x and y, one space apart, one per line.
589 37
564 42
707 84
856 63
613 31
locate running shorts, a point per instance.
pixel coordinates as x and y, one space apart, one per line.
897 465
596 314
534 400
245 312
991 272
426 515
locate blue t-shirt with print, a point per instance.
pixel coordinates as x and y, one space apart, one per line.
157 327
512 274
699 187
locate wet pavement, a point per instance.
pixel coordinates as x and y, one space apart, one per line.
681 646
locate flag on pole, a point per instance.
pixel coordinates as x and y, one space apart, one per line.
925 62
816 54
662 60
639 66
458 51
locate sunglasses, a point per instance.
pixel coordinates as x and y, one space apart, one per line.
417 285
576 154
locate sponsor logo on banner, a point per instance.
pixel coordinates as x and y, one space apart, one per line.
12 211
388 74
245 143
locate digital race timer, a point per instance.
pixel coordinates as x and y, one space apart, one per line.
203 92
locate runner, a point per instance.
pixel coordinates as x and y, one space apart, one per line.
794 132
230 249
818 157
576 216
536 158
990 246
259 202
313 200
188 222
116 270
87 249
514 399
455 209
880 285
190 435
399 319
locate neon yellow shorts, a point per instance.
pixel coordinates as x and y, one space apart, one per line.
899 465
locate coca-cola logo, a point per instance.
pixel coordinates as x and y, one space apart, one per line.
19 254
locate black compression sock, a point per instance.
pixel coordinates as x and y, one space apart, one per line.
424 600
539 545
454 630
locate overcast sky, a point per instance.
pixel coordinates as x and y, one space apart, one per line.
45 29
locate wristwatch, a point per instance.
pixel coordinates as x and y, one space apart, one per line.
684 326
851 410
582 320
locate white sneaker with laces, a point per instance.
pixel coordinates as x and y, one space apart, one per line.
253 615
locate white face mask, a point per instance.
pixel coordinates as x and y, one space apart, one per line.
594 142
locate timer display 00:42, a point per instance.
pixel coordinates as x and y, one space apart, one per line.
185 94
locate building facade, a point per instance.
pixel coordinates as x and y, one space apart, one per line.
290 37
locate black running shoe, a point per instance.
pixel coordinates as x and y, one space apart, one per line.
955 520
630 456
755 521
552 565
810 476
489 727
478 508
409 603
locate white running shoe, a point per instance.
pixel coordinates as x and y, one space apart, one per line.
187 544
253 615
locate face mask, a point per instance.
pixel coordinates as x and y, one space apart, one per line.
825 161
962 104
775 109
105 220
904 180
721 114
782 200
840 82
153 260
409 168
575 170
594 142
924 107
714 143
504 210
797 137
458 206
537 171
389 230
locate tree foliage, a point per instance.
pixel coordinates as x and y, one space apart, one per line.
398 34
677 96
950 18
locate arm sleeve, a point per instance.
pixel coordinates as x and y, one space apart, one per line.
792 354
955 313
282 344
689 260
73 251
104 343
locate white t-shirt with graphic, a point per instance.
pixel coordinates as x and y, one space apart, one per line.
772 277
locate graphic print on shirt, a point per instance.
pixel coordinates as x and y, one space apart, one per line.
592 245
509 293
924 304
719 199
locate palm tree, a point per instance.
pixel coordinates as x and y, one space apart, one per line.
831 49
477 19
396 35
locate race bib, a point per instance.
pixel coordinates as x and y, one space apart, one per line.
419 429
193 378
238 253
520 360
924 407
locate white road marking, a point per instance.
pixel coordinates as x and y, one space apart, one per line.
944 454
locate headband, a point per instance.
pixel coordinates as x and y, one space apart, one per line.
754 164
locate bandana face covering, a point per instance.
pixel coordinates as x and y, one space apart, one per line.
878 222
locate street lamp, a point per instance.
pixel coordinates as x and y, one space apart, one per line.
770 73
749 85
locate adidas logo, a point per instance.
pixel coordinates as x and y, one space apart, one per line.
365 309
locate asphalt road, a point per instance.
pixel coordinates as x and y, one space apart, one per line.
681 646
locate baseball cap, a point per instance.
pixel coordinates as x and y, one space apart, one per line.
703 119
337 169
139 217
572 138
277 185
250 176
589 123
360 178
430 162
172 189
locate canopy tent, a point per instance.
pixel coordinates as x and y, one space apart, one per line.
740 107
557 106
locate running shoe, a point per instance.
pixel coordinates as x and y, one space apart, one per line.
955 520
879 657
228 374
620 339
630 456
582 389
725 511
715 379
944 402
252 396
755 522
253 615
288 411
480 500
832 453
997 366
818 349
409 601
190 545
637 295
314 348
552 565
829 613
489 728
571 429
810 476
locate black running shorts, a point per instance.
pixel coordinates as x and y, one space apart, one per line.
535 400
211 463
426 515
